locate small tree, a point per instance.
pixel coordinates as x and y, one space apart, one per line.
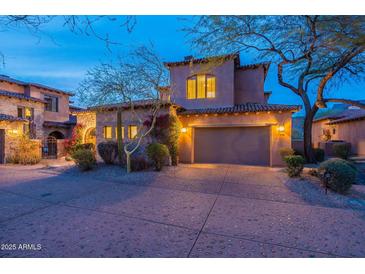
138 77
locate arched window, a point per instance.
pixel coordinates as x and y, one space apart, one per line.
201 86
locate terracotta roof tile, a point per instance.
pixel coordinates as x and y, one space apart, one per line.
19 96
232 56
248 107
7 117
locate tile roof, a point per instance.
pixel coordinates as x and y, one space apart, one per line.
225 57
22 83
248 107
7 117
19 96
126 105
358 114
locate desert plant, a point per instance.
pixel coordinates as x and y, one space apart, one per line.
108 151
76 139
338 174
27 152
157 153
89 146
286 151
84 159
319 154
342 150
295 165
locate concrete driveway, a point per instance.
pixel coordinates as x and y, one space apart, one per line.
185 211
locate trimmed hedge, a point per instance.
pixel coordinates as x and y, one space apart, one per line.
295 165
157 153
84 159
341 174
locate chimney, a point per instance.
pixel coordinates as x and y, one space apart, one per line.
188 58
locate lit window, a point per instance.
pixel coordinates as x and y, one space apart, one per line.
108 132
116 132
201 86
26 112
210 86
51 103
191 86
132 131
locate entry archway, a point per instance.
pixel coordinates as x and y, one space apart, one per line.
90 136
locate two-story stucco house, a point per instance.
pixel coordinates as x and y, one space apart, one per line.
223 109
32 108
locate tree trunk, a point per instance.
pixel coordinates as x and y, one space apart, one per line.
308 147
119 136
129 166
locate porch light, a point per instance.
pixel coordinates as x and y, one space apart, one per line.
184 130
281 129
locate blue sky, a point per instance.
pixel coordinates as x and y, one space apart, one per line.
59 58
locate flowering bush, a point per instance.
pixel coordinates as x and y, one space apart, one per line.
76 139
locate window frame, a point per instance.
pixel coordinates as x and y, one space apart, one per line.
105 132
23 112
195 77
130 132
54 100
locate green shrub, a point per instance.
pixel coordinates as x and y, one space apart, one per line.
89 146
341 174
108 151
286 151
342 150
26 152
295 165
84 159
319 154
157 153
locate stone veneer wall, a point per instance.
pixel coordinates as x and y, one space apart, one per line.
13 130
10 106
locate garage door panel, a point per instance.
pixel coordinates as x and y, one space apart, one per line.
238 145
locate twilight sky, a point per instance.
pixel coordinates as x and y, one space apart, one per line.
59 58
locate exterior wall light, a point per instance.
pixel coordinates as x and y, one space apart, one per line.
184 130
281 130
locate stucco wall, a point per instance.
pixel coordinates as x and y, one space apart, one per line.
224 85
354 133
63 106
10 106
277 141
249 85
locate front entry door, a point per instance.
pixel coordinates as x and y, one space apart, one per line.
2 146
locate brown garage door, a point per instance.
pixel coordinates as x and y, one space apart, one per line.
233 145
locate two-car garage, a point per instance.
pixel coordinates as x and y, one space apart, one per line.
247 145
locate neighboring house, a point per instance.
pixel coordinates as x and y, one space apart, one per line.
40 111
345 124
223 109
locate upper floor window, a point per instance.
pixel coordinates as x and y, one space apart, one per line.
51 103
201 86
26 112
108 132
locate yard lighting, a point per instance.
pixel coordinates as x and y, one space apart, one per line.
184 130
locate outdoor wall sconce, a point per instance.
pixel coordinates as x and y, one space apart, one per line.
281 130
184 130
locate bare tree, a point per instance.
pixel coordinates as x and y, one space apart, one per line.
128 82
312 53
